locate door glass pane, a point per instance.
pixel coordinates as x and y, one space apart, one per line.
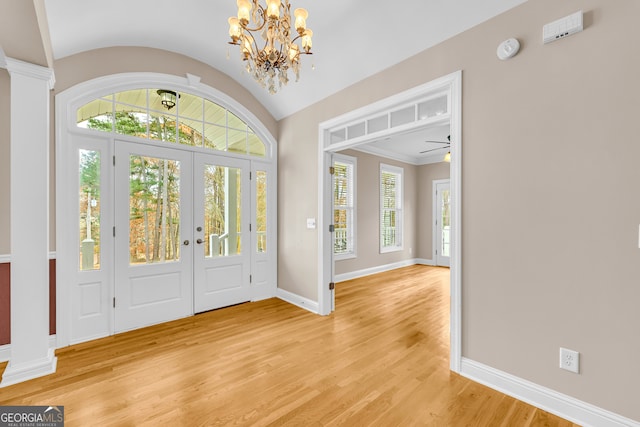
446 223
341 204
261 210
222 210
162 127
89 198
154 210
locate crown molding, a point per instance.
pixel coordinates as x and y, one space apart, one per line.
15 66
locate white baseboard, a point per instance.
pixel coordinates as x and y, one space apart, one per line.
5 350
423 261
39 368
294 299
564 406
379 269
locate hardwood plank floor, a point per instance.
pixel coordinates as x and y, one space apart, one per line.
381 359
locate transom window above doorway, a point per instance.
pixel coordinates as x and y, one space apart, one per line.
396 117
173 117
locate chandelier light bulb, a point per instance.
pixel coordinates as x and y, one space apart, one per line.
273 9
301 20
244 11
306 40
234 29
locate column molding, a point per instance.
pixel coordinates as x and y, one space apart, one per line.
31 356
26 69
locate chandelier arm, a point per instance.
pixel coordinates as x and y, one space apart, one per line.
259 18
256 52
302 51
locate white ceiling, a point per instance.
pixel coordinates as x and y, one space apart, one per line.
419 147
352 39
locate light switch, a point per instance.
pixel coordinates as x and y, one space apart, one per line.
311 223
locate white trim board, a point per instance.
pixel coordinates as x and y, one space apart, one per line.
6 258
297 300
564 406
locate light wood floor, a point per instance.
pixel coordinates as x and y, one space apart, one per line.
381 359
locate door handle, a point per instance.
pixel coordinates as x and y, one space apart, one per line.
199 241
186 243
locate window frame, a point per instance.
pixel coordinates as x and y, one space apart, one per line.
352 235
399 209
148 111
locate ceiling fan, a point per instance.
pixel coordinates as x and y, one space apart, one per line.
446 145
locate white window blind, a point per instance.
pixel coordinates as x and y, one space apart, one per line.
390 208
344 236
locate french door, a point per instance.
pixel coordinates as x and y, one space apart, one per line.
222 263
442 235
153 223
159 233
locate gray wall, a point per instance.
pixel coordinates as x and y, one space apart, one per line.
549 183
368 214
418 214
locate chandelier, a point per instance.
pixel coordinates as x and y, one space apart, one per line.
279 52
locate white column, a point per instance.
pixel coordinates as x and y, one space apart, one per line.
31 356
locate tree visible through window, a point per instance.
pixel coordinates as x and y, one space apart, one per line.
390 208
344 206
192 121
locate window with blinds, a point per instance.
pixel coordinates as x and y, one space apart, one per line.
344 240
390 208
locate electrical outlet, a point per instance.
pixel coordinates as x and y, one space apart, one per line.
570 360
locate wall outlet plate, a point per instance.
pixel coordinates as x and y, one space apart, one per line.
570 360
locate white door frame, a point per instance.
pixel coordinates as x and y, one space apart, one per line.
453 84
435 217
66 103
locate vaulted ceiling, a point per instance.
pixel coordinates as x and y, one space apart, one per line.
352 40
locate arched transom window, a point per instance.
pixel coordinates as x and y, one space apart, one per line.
173 117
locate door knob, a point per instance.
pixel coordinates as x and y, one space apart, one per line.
186 243
199 241
199 229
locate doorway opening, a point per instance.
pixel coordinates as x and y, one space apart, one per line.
406 112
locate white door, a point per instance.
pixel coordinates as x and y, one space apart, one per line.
442 235
153 226
222 263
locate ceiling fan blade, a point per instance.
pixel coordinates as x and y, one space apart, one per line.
434 149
